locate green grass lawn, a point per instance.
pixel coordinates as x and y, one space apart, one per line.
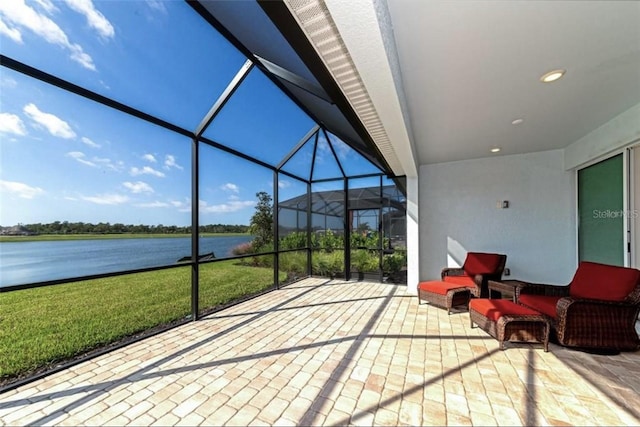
42 326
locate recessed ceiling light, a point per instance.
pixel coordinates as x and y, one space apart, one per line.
552 76
517 121
495 149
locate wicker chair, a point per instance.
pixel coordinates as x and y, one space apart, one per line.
473 274
459 284
597 310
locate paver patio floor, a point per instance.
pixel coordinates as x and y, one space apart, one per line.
333 353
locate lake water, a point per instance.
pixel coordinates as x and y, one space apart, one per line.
30 262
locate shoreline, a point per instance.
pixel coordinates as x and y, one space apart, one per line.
87 236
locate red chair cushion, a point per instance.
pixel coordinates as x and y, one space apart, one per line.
542 303
481 263
437 287
603 282
493 309
460 280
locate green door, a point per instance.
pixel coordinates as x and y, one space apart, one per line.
600 212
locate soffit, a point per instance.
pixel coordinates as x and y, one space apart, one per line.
463 71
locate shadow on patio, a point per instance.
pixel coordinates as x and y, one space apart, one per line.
333 353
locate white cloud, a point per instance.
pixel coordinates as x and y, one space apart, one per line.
13 33
8 82
323 147
17 13
157 5
109 164
106 199
55 125
150 158
183 206
342 149
170 161
138 187
155 204
79 156
283 184
82 58
47 5
230 187
89 142
324 153
230 206
95 19
20 189
10 123
146 170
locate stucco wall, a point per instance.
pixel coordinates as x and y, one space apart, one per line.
537 232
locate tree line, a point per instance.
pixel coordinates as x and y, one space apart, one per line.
66 227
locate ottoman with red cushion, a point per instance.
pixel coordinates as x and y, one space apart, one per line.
444 294
507 321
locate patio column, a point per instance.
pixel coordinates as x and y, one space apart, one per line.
413 236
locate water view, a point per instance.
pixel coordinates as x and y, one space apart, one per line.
30 262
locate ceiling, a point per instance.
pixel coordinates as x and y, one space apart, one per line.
462 71
470 68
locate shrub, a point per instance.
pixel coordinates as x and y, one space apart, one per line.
328 240
364 260
297 239
320 264
394 262
336 263
327 263
243 249
293 263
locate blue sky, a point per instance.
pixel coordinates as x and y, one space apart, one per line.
65 158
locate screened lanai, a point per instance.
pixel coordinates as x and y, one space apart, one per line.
134 129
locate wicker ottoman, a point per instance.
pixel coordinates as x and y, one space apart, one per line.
444 294
507 321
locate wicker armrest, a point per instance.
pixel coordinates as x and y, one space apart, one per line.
484 278
543 289
597 323
451 271
593 306
518 289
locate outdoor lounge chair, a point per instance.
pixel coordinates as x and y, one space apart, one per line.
477 270
597 310
459 284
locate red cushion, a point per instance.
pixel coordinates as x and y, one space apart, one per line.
493 309
603 282
438 287
460 280
543 304
481 263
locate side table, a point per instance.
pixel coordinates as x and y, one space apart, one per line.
504 288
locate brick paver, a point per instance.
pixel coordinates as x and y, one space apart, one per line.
332 353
